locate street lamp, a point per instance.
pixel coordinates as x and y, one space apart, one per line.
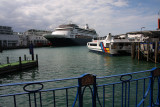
142 28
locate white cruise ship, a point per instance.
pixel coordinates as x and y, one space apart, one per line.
70 35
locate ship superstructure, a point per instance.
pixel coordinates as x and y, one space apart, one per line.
71 34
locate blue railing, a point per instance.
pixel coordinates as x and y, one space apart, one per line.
136 89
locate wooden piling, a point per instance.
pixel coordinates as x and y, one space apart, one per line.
147 51
20 64
133 50
155 51
7 60
1 48
138 51
37 60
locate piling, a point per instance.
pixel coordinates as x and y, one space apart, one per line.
20 64
133 51
138 51
37 60
147 52
1 48
156 47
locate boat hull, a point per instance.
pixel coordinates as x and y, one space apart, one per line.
69 41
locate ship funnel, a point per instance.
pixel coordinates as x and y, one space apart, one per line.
86 27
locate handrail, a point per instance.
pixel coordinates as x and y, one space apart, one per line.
123 81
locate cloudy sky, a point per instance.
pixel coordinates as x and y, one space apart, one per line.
105 16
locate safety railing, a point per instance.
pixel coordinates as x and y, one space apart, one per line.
136 89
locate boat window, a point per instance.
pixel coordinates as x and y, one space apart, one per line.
93 44
107 45
114 46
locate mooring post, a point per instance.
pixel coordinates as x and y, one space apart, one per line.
147 51
20 64
151 90
25 57
36 60
94 92
7 60
80 103
155 51
133 50
85 81
138 51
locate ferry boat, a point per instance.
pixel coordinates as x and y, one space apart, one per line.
70 35
112 45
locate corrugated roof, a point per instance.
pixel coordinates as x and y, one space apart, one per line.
147 33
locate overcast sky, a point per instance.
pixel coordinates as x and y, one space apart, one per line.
105 16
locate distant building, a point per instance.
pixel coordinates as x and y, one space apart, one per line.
7 38
36 37
10 39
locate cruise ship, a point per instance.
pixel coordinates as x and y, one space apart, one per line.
71 35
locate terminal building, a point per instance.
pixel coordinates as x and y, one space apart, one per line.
36 37
7 38
10 39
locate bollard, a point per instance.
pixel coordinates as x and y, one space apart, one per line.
7 60
36 60
20 64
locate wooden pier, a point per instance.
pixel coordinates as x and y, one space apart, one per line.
18 66
149 51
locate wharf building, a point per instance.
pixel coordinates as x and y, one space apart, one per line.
36 37
7 37
10 39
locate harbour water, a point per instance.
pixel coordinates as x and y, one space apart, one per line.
66 62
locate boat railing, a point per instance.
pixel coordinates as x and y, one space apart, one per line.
129 89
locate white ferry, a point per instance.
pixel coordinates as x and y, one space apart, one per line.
112 45
70 35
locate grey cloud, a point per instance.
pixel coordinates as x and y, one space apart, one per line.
47 14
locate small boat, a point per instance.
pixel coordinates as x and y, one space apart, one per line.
112 45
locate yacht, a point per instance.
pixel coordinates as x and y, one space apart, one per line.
70 35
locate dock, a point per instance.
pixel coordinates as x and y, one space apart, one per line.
18 66
148 50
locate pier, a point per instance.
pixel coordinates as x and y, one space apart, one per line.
18 66
148 50
130 89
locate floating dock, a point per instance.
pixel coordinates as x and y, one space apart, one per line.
18 66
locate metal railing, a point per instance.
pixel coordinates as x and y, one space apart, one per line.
136 89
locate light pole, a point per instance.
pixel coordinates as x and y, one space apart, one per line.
141 32
142 28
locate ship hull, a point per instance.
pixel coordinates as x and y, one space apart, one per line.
69 41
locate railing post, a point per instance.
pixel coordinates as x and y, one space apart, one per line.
151 90
94 92
87 80
80 103
155 73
